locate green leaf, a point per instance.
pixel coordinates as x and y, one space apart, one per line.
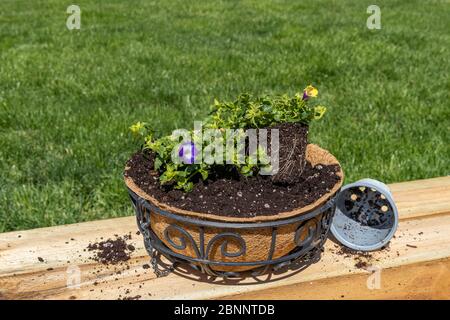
158 163
246 170
204 173
188 186
319 111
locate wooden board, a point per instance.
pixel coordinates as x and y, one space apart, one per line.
416 265
422 197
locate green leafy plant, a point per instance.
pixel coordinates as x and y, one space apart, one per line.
245 112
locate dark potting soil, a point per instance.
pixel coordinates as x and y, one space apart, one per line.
235 196
111 251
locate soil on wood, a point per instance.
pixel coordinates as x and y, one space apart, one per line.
111 251
362 259
235 196
293 139
131 298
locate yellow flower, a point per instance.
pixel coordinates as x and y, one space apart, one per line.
309 92
137 127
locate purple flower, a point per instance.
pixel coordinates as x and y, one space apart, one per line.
305 95
187 152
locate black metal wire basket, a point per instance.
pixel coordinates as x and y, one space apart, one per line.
316 224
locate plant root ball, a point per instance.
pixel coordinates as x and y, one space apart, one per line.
293 139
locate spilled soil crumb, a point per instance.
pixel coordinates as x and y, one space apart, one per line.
361 265
362 259
131 298
111 251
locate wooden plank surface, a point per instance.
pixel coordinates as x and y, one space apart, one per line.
415 265
422 197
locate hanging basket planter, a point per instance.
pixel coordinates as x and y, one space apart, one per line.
227 246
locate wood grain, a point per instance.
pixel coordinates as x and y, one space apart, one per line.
422 197
416 265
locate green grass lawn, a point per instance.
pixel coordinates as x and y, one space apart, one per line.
68 97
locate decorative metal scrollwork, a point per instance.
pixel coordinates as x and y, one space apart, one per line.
224 246
182 239
315 225
310 227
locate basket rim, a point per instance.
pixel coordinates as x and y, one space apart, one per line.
314 154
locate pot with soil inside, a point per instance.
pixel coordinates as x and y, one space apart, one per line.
224 219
